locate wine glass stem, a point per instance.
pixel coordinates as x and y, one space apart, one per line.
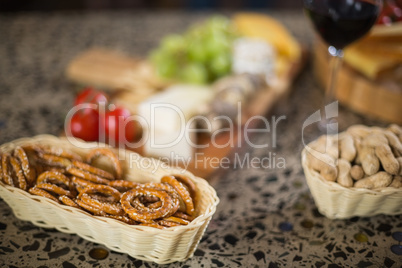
336 61
328 125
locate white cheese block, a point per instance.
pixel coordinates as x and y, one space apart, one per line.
253 56
171 146
167 115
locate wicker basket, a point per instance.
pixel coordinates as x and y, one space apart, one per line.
141 242
338 202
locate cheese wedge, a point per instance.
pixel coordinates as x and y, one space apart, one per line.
369 64
267 28
380 51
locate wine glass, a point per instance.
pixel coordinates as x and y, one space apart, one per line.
340 23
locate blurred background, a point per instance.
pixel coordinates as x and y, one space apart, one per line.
51 5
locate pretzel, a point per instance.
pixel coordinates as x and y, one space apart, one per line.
95 153
166 223
110 206
103 189
123 185
146 216
177 220
32 148
96 171
20 154
68 201
182 191
50 187
62 173
54 160
22 183
86 175
167 188
80 184
7 177
154 205
61 153
182 215
190 185
54 177
93 210
37 191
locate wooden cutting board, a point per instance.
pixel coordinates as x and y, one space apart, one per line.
369 98
115 71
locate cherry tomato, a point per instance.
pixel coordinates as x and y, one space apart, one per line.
391 12
84 124
90 95
116 121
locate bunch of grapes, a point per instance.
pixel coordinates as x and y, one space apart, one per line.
200 55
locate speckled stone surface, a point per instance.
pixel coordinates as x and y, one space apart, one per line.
266 217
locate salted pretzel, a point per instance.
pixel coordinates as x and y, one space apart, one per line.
91 169
53 188
86 175
183 216
123 185
37 191
177 220
61 153
7 177
22 183
165 187
182 191
107 202
53 176
190 185
20 154
68 201
166 223
145 215
95 153
93 210
54 160
81 184
62 176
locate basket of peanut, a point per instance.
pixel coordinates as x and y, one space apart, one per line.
356 173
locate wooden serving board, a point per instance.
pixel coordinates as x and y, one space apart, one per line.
112 70
369 98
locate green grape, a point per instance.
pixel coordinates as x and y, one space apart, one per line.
173 43
194 73
203 52
197 53
165 64
219 23
195 33
216 45
221 64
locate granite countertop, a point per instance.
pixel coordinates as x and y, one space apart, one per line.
266 217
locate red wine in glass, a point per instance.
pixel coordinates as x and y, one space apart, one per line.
340 23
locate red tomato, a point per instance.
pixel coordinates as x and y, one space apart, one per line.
90 95
116 121
391 12
84 124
